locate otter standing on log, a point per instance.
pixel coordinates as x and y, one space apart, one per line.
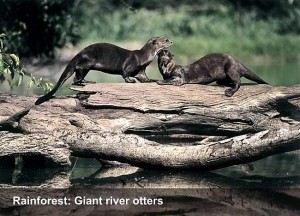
222 68
111 59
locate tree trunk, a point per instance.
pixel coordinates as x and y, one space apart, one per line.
148 125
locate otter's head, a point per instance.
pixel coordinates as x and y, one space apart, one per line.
165 63
159 43
165 56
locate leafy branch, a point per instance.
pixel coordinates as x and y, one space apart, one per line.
10 66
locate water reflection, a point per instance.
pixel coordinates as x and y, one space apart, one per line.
278 171
269 186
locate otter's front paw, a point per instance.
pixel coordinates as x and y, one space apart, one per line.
229 92
160 82
87 82
78 84
178 83
129 80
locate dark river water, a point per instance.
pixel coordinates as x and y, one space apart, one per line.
278 174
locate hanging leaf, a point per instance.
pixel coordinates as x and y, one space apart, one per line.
20 80
7 60
5 71
15 59
11 72
21 71
10 65
1 65
30 84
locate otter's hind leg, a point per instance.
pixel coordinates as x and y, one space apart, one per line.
126 76
84 81
81 70
234 78
224 83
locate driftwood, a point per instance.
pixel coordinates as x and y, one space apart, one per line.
148 125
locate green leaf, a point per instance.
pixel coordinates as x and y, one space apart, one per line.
11 72
2 35
5 71
15 59
48 86
33 79
6 59
1 65
30 84
21 72
20 80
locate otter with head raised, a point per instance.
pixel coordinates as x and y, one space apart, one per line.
111 59
216 67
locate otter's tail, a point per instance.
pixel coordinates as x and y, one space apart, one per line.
252 76
65 75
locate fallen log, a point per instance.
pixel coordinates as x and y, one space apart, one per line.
148 125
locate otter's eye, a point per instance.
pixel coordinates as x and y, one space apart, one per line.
167 40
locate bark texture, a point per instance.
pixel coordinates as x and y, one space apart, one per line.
148 125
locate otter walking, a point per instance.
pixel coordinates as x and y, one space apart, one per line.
111 59
215 67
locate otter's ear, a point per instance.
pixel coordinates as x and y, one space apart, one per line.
154 41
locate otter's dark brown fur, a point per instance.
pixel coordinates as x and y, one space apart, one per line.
111 59
215 67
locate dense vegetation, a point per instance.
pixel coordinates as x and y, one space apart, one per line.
36 28
247 28
251 27
10 67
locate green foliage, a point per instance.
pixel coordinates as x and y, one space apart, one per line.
10 66
36 27
120 22
283 15
40 82
198 29
286 13
9 63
